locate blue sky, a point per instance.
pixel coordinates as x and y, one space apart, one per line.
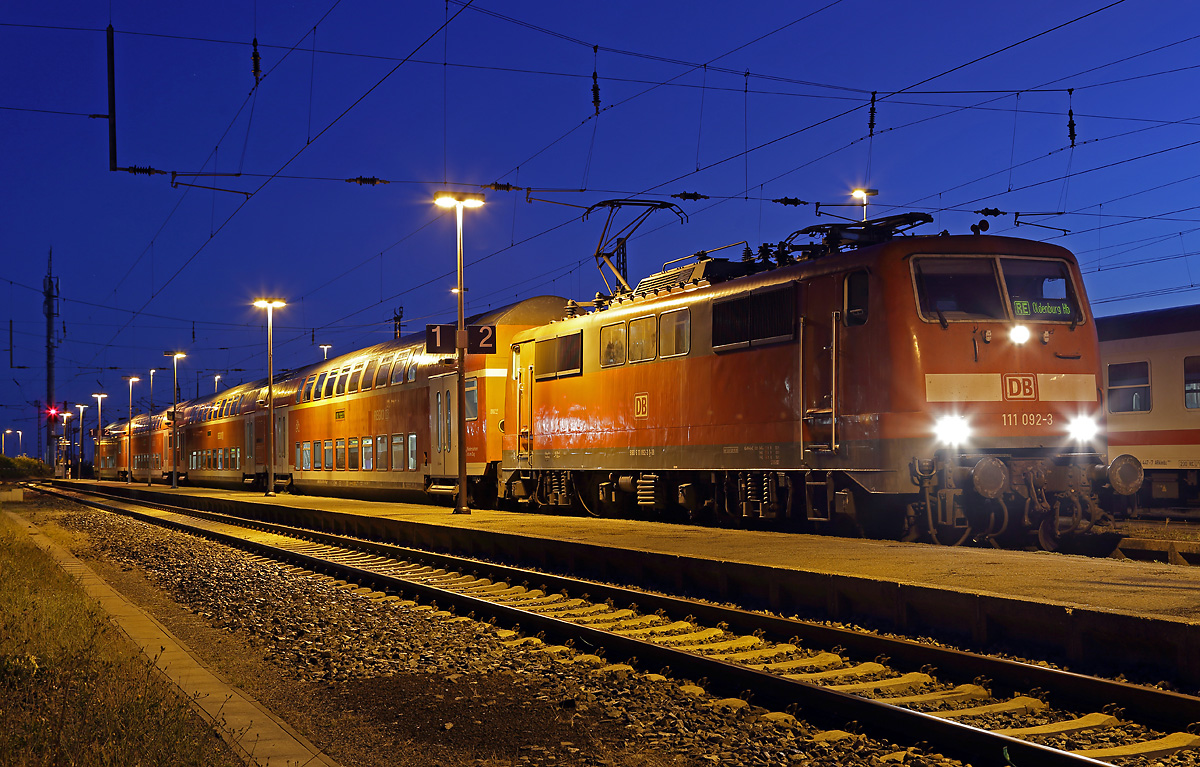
743 102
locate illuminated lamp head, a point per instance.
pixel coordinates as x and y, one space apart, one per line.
1019 334
952 430
1082 428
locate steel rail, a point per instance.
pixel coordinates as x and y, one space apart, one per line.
818 704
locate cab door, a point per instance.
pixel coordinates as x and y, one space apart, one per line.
443 427
524 409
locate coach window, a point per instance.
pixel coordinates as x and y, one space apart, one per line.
437 421
381 462
340 387
397 452
612 345
642 346
1191 382
675 333
306 455
398 370
412 452
308 388
316 453
328 455
856 298
339 455
412 369
368 376
352 454
330 377
384 369
368 453
355 376
471 394
1129 387
299 457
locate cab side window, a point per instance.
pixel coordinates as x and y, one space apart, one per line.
856 298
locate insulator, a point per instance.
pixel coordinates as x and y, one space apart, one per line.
1071 126
367 181
498 187
595 93
747 254
871 124
764 252
796 201
690 196
256 59
138 170
992 212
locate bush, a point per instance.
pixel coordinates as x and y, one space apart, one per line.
23 467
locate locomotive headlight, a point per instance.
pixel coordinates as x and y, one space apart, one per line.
1082 428
952 429
1019 334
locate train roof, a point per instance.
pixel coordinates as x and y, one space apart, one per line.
1156 322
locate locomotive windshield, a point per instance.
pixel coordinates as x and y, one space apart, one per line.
965 288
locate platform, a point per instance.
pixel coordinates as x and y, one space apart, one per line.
1078 607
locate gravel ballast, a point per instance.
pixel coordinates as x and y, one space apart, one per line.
383 681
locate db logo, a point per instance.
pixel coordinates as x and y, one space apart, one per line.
1019 386
641 405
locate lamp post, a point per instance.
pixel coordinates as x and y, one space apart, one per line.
863 194
175 357
216 383
99 428
325 348
20 442
79 466
458 201
3 443
150 433
129 431
270 304
66 437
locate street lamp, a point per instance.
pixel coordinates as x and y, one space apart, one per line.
99 428
3 444
20 442
66 415
325 348
458 201
270 304
150 433
216 382
79 466
129 431
863 194
175 357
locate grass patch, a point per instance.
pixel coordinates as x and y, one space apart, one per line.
72 689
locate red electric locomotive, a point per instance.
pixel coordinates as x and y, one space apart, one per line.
904 386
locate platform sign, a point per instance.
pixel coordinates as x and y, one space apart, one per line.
481 339
439 339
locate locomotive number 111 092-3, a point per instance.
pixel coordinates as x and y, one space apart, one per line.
1027 419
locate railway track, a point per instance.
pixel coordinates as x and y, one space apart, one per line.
976 708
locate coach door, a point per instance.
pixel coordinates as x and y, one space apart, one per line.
281 445
443 459
248 450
